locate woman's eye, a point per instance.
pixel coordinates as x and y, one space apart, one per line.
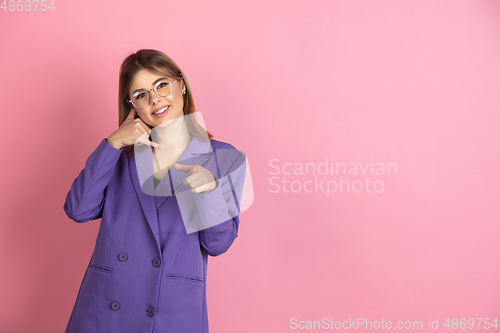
161 85
141 95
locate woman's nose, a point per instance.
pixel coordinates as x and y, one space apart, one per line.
154 98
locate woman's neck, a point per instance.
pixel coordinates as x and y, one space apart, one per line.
172 134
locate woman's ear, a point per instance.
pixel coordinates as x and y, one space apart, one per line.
183 86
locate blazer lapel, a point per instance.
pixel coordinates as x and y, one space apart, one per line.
141 171
197 153
147 202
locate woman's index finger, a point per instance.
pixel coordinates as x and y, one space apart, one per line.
131 114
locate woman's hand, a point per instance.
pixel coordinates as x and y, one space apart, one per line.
199 179
131 131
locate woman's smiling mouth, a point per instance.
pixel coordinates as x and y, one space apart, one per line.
162 111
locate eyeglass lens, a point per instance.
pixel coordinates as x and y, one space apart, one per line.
140 98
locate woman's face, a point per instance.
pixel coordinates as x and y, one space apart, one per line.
160 109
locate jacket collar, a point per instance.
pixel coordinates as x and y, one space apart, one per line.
140 163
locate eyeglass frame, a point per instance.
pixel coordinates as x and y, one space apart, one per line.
154 88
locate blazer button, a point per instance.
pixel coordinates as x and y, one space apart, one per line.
115 306
156 262
123 256
151 312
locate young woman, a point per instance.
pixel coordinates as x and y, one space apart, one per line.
168 196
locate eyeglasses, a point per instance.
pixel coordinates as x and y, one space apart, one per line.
140 98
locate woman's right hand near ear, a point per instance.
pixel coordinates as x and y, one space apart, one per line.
131 131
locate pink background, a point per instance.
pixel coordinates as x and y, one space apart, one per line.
414 83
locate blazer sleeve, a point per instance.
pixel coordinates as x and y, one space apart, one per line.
222 202
85 200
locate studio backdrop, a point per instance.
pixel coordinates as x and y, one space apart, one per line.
371 132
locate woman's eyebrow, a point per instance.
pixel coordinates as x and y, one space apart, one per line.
154 83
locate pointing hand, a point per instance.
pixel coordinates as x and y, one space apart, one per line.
199 179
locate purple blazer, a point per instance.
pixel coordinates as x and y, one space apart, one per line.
129 284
